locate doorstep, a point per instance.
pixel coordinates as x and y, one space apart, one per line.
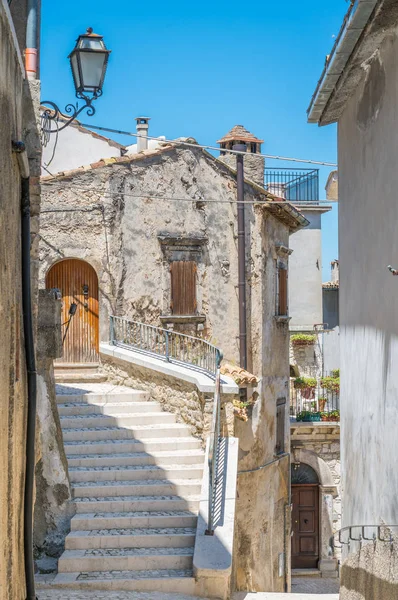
306 573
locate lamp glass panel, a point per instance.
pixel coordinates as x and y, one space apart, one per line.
92 64
75 70
91 44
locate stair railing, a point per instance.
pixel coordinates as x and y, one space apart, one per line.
214 449
186 350
178 348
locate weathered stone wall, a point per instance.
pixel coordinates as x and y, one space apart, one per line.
121 240
16 109
53 509
307 360
262 530
179 397
253 166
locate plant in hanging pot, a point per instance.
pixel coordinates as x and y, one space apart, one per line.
307 386
332 384
302 339
308 417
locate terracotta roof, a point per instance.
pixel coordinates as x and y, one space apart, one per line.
76 125
239 375
239 133
283 211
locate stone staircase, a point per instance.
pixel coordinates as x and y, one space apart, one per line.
136 475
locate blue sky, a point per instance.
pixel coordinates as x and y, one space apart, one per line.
198 68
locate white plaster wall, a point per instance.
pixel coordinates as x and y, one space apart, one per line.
305 274
74 149
368 222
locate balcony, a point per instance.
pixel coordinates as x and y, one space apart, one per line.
294 185
315 401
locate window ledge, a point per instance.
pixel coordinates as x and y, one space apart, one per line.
282 318
177 319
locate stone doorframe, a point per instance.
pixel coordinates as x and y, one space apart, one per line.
327 492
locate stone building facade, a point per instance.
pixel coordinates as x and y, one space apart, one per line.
19 110
131 219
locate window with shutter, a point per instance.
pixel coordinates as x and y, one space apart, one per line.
282 292
183 287
280 425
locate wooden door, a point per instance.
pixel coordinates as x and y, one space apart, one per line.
305 526
78 284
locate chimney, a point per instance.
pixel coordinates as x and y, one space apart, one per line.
142 130
253 162
335 271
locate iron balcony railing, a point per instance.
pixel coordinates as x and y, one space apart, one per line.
173 347
314 403
294 185
353 537
188 351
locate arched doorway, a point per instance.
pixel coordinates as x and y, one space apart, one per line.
305 517
78 283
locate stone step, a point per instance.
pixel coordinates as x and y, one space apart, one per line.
171 537
131 559
175 457
158 583
132 419
126 504
149 487
79 396
134 473
76 377
107 408
128 432
131 520
179 444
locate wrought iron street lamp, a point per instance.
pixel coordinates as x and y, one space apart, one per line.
88 61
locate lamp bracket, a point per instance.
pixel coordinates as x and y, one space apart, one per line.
52 113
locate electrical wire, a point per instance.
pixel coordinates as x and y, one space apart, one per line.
150 196
203 146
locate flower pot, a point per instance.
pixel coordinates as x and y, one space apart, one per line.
322 403
314 417
308 393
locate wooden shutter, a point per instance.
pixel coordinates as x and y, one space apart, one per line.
280 426
183 287
282 285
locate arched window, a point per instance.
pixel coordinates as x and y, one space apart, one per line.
302 473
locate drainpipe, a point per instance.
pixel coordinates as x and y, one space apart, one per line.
19 149
241 256
31 39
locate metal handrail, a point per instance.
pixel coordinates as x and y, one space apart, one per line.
181 349
174 347
362 535
214 445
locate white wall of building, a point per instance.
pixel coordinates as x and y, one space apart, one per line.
75 148
368 223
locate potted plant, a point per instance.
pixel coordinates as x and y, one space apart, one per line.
302 339
324 416
307 386
334 415
308 416
322 403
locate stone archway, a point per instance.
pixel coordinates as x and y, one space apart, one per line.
327 492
